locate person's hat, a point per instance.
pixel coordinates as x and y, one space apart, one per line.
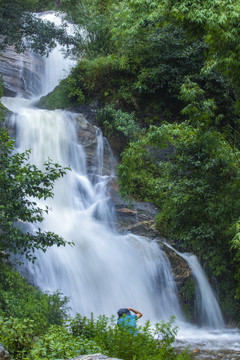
123 311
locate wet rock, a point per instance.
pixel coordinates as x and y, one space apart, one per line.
139 218
88 137
94 357
4 355
16 68
133 216
180 268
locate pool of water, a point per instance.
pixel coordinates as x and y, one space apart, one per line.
206 344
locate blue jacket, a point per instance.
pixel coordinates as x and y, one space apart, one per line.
129 322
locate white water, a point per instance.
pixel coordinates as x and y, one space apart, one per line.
209 313
104 270
207 305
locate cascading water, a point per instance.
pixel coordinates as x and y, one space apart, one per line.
104 270
207 308
206 302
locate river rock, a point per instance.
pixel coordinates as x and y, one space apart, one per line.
4 355
94 357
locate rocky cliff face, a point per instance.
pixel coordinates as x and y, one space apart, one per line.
15 68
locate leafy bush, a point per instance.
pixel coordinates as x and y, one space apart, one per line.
66 94
105 77
150 342
17 336
117 122
21 300
82 335
59 343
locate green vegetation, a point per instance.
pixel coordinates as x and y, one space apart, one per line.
3 110
193 180
62 97
59 343
118 126
25 312
149 343
17 25
82 335
21 300
187 297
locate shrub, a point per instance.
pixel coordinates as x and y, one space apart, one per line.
17 336
66 94
117 122
153 342
59 343
23 301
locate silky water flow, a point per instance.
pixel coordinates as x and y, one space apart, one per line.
104 270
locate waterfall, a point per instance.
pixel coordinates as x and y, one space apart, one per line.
104 270
207 308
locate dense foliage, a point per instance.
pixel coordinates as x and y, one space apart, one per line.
150 342
86 336
21 300
18 25
25 312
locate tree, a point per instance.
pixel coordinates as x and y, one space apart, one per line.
18 25
20 183
218 22
93 18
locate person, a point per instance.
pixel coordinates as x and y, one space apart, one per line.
127 320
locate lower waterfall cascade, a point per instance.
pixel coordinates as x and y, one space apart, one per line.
104 270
